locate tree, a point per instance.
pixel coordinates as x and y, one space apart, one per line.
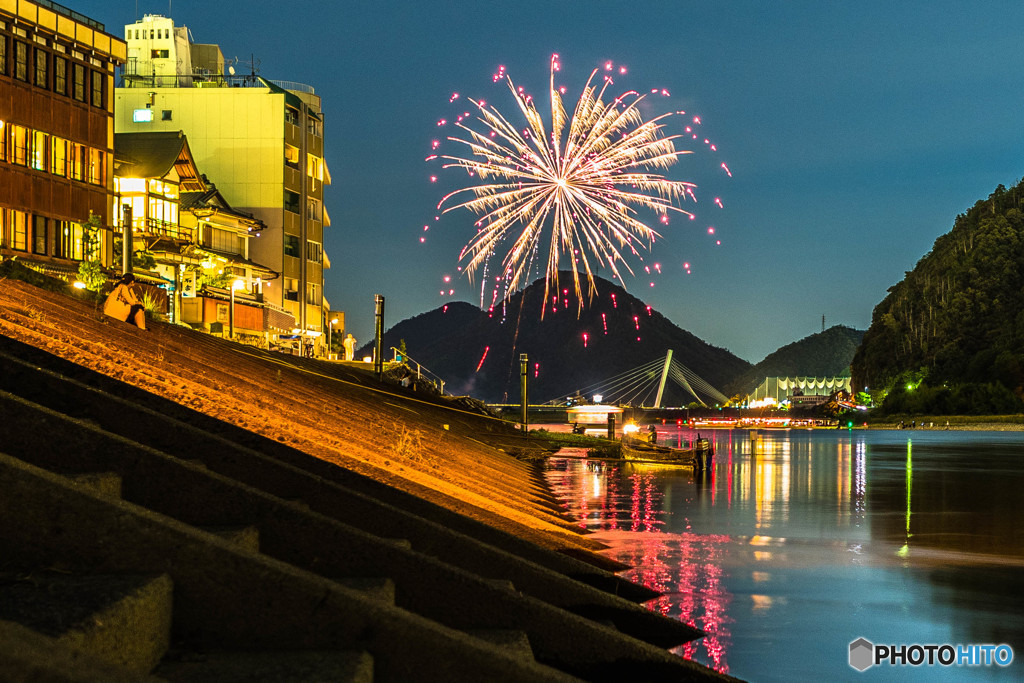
90 269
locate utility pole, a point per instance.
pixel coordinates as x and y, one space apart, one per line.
823 323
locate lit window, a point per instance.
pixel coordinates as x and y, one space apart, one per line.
19 139
58 156
291 155
3 55
38 156
17 226
68 243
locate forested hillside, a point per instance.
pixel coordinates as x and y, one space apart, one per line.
954 327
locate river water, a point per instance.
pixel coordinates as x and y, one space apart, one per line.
797 543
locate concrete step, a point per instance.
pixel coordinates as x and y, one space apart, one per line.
228 600
426 587
27 655
245 537
62 385
107 484
268 667
123 620
376 588
515 642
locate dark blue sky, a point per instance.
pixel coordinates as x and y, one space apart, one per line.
855 133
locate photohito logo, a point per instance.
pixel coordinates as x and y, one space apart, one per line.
864 654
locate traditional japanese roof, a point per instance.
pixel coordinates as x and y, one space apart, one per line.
155 155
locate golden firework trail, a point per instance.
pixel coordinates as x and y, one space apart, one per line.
579 186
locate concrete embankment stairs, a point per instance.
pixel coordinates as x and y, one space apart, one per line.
141 539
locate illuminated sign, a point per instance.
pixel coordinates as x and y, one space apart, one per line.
142 115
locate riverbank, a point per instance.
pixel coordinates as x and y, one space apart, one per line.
286 505
964 423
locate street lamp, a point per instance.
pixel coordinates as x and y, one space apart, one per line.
330 330
237 284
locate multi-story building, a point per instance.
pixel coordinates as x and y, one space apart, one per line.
56 133
261 140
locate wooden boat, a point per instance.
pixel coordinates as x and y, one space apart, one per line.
637 450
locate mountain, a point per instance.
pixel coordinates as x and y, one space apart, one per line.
824 354
477 351
958 316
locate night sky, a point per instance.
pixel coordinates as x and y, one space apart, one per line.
855 133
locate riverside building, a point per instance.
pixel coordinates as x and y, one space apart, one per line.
261 140
56 133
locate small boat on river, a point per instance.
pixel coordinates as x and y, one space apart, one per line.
638 450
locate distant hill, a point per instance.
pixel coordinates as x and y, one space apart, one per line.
958 317
477 351
823 354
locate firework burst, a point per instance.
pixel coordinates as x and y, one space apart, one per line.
579 186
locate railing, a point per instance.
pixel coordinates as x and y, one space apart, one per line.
419 369
131 79
292 85
61 9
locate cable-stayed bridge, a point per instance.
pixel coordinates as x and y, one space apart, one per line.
645 385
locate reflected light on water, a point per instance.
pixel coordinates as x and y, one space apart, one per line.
776 526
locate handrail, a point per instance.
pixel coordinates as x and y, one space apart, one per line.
420 370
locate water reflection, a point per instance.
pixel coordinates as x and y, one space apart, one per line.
875 534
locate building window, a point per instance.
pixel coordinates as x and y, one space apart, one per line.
3 55
69 243
314 252
3 142
21 61
291 245
58 156
42 68
97 169
18 151
291 115
291 155
224 241
76 157
39 234
313 294
78 71
291 201
312 210
17 229
97 89
313 126
314 167
37 160
165 115
291 289
60 75
159 54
